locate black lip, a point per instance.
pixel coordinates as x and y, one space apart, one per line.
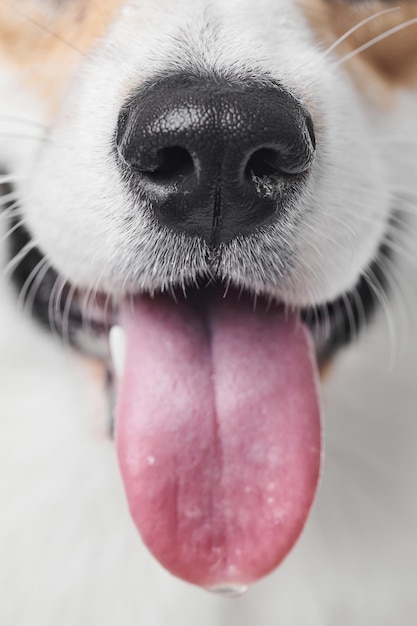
42 308
333 325
338 323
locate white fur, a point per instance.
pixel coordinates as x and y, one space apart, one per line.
68 552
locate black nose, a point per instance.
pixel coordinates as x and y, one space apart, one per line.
215 159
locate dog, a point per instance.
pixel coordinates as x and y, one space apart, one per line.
211 206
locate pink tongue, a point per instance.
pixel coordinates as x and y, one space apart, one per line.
218 436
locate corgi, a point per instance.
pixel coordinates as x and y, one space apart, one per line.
212 208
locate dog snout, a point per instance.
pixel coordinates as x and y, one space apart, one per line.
214 159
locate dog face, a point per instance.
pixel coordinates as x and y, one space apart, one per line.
79 196
83 193
230 143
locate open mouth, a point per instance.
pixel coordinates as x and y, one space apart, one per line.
84 318
218 426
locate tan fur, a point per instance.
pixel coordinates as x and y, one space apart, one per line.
385 66
48 44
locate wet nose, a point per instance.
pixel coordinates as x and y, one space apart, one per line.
214 159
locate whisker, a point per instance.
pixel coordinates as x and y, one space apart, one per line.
9 135
408 202
11 212
357 26
375 40
171 290
404 294
10 178
18 258
361 313
24 121
84 306
400 250
65 325
5 200
91 296
43 27
54 314
8 214
381 295
11 230
110 301
28 284
406 209
350 316
227 287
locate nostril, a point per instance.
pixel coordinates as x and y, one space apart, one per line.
263 163
291 158
174 163
163 165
